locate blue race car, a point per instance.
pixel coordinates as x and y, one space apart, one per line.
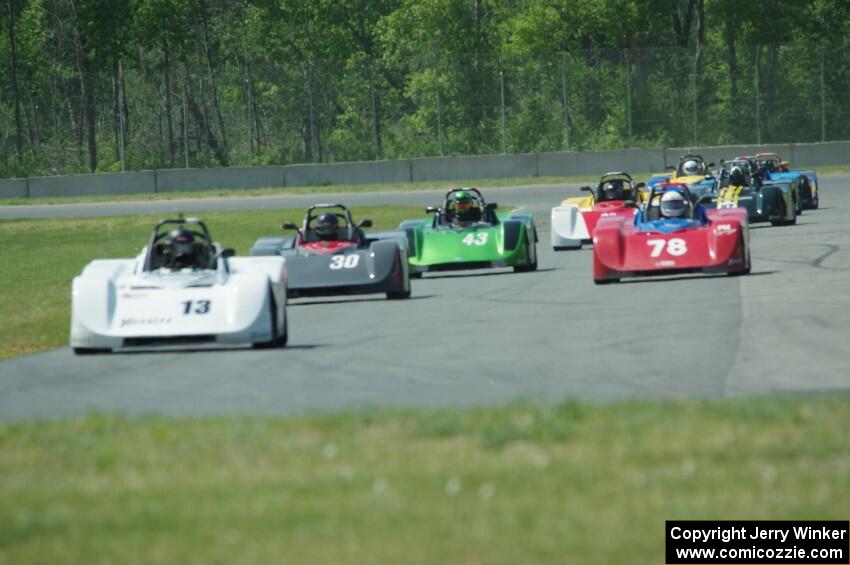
775 169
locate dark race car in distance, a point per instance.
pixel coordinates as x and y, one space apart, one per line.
765 200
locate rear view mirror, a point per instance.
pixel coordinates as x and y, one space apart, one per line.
670 168
640 185
586 189
365 224
432 209
492 206
289 226
227 253
710 164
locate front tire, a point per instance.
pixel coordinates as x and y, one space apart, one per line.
532 264
749 261
278 339
784 221
90 350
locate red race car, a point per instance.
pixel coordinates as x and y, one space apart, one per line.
671 234
574 220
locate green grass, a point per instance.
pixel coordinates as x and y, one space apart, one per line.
516 484
271 191
40 257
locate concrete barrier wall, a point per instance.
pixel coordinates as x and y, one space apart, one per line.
407 170
598 162
138 182
176 180
820 154
715 153
366 172
473 167
13 188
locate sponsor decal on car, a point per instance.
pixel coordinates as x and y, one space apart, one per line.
665 263
725 229
144 321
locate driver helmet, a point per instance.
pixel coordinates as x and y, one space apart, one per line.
691 167
326 226
180 249
464 207
673 204
613 190
736 176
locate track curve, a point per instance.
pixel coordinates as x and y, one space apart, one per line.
492 336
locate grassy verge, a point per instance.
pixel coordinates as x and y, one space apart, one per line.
40 257
518 484
273 191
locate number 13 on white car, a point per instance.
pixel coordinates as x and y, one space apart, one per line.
674 246
344 261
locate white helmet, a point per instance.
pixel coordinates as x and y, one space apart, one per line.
690 167
673 204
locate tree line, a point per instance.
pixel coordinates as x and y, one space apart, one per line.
107 85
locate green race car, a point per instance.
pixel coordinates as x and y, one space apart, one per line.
468 233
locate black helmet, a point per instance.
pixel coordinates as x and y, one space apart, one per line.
613 190
180 249
326 226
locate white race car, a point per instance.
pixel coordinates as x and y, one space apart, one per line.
182 289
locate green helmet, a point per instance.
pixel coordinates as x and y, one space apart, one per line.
463 206
461 196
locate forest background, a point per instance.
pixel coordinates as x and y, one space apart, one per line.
111 85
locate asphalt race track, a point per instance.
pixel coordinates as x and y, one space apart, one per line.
492 336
